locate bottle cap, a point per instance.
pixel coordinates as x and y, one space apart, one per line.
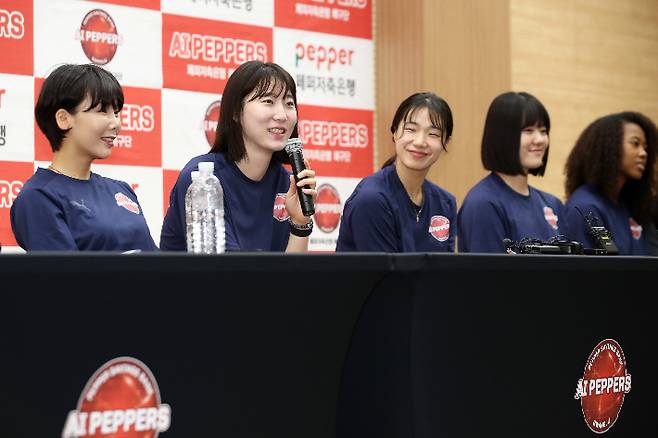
206 167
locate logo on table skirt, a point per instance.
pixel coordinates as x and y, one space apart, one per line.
98 36
121 399
126 202
327 208
550 217
279 211
636 229
604 385
440 228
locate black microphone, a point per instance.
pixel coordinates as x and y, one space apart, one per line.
294 151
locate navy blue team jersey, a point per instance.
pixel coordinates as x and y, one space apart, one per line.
624 230
54 212
254 211
380 216
492 211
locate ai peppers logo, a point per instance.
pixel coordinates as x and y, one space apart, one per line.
550 217
279 211
120 400
327 208
440 228
604 384
210 121
98 36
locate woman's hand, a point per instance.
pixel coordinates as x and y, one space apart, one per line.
306 178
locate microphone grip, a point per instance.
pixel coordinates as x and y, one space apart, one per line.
306 201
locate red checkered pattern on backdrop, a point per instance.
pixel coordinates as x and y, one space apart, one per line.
173 58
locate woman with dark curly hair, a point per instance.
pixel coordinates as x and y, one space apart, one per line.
611 175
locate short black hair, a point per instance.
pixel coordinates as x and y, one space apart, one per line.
259 78
509 113
66 88
439 113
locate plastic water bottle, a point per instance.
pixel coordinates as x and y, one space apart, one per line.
188 211
213 225
208 235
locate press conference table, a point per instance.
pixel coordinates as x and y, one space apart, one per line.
324 345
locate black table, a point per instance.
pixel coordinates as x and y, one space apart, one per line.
324 345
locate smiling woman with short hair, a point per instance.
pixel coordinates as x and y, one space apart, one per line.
67 207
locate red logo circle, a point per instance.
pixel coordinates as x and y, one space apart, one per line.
636 229
98 36
280 212
440 228
126 202
210 121
604 384
120 399
327 208
550 217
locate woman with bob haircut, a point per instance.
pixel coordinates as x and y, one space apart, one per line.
503 205
610 179
257 115
397 209
67 207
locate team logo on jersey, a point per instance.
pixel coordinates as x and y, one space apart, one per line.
210 121
327 208
279 212
550 217
98 36
636 229
121 399
440 228
126 202
604 384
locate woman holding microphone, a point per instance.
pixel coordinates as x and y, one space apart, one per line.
258 114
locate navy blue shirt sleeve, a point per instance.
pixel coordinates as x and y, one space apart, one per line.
563 223
150 242
480 227
454 228
371 224
39 223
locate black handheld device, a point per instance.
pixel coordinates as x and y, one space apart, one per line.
599 234
294 151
